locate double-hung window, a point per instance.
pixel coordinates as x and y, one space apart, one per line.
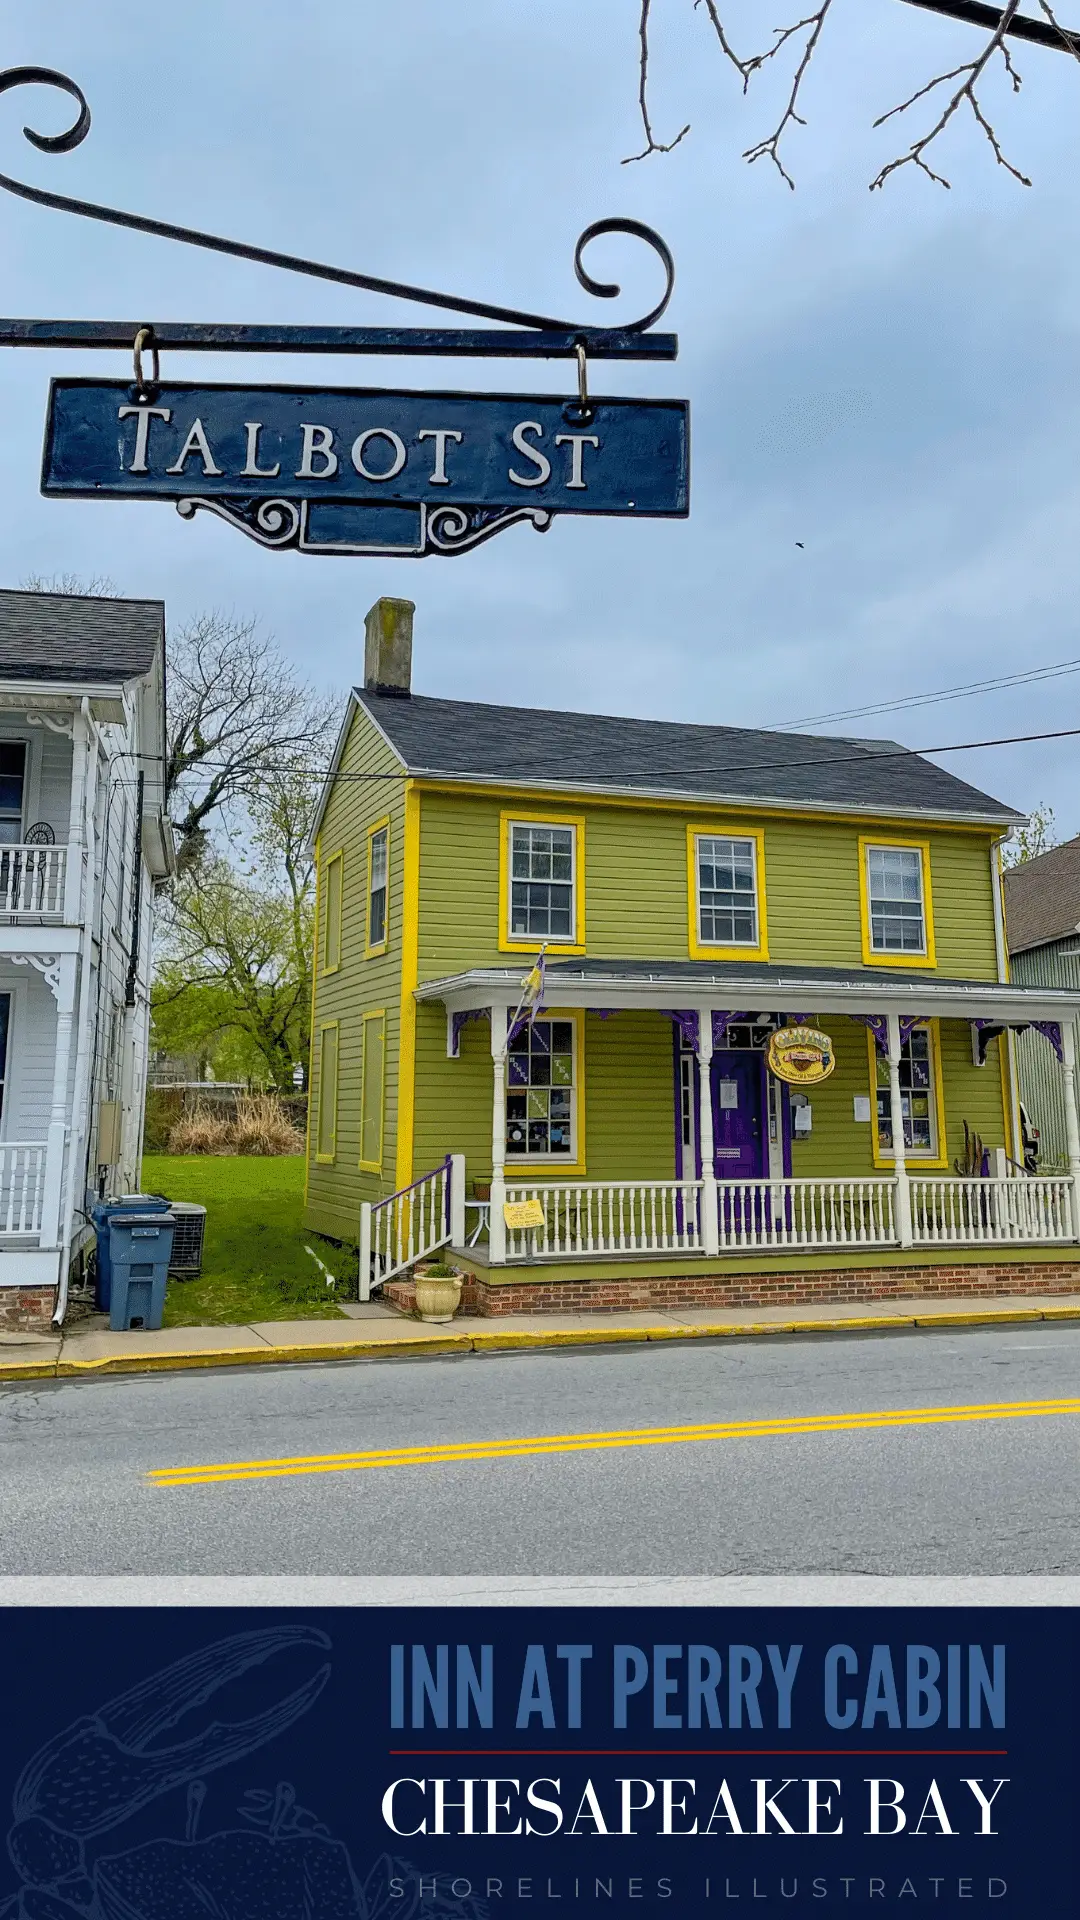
12 788
726 907
918 1097
896 895
543 882
541 1093
378 886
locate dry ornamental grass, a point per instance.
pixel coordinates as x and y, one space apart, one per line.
259 1125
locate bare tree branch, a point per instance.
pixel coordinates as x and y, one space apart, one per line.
652 145
969 76
801 39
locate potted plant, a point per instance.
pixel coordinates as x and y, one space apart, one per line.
438 1291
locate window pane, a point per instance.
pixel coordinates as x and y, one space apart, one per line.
727 892
918 1098
539 1101
332 914
542 882
12 781
896 900
377 893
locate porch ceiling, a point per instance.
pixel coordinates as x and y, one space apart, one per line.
751 986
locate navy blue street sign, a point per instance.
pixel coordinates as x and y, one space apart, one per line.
362 470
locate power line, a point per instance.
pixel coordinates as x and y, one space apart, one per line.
1052 672
748 766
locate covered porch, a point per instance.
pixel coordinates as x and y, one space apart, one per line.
864 1163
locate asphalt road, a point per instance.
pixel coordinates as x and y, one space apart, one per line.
909 1493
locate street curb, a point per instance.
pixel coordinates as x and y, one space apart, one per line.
511 1339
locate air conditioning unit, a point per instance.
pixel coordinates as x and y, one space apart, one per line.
187 1247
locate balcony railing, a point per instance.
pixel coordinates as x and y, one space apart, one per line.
33 882
22 1189
997 1212
609 1216
806 1213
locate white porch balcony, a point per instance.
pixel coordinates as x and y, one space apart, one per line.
37 883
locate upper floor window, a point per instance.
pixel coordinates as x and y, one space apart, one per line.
332 886
544 880
726 905
12 786
378 886
896 903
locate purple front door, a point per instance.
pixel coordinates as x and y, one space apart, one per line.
738 1102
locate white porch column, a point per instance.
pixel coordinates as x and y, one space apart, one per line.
496 1221
1072 1127
903 1190
710 1214
59 1112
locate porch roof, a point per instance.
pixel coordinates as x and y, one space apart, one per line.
750 986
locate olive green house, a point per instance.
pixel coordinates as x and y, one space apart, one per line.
694 891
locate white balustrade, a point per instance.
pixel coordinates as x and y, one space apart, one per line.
22 1186
32 881
405 1227
950 1212
806 1213
608 1216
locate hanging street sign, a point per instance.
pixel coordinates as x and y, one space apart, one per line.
361 470
355 470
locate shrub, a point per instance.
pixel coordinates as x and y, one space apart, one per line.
258 1125
200 1130
261 1125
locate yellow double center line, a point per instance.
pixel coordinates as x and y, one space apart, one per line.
459 1452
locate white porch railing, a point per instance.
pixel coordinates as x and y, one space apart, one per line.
32 882
22 1189
412 1223
609 1216
966 1212
806 1213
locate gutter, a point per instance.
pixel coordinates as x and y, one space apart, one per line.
80 1130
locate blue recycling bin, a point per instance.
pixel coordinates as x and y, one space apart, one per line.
140 1248
99 1218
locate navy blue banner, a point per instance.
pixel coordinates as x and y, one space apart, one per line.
366 445
461 1764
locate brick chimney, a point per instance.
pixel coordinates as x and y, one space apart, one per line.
388 647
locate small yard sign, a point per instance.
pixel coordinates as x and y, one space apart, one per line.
520 1214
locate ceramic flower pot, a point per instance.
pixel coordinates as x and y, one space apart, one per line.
437 1296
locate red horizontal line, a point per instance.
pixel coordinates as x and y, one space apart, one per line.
697 1753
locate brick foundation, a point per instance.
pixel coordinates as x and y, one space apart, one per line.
960 1282
26 1309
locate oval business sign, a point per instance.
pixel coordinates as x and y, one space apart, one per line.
801 1055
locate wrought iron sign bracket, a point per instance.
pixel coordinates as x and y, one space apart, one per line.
415 521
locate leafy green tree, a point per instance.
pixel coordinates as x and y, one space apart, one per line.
1038 835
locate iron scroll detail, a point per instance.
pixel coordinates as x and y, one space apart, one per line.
65 142
281 524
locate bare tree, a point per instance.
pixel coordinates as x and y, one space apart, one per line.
949 94
237 716
97 587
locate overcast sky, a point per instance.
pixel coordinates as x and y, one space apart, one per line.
890 379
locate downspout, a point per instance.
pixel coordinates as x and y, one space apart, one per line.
79 1122
1008 1038
136 896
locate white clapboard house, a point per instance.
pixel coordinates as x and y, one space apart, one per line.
83 842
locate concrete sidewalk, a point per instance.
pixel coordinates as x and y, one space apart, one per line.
379 1332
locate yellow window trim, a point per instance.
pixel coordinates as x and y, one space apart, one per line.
369 951
524 817
899 961
376 1013
914 1161
548 1164
333 859
327 1026
722 830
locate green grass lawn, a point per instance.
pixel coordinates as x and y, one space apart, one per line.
254 1265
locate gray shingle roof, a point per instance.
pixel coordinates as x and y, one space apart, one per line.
1042 897
515 744
60 636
